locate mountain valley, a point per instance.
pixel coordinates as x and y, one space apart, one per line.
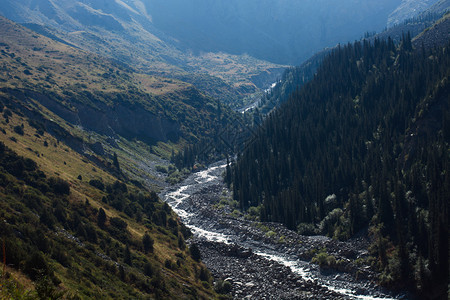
224 150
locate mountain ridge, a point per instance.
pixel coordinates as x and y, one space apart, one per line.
128 35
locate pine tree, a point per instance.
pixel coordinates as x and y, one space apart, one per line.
101 218
147 243
127 256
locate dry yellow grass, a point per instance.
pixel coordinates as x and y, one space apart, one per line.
40 61
58 160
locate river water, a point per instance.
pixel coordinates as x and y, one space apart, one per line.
193 200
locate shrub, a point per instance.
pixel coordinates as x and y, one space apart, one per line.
36 266
101 218
195 252
162 169
323 259
19 130
149 269
222 287
97 184
118 223
59 186
307 229
147 242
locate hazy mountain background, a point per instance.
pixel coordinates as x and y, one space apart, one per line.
285 32
104 103
409 9
228 49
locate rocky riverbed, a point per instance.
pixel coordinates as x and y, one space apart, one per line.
266 260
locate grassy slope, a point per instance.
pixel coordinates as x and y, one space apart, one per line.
219 75
33 62
59 160
37 65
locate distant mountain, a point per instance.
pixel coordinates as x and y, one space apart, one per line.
124 30
222 47
437 34
408 9
97 94
285 32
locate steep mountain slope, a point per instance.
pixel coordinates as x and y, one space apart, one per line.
430 28
365 142
125 32
95 94
76 134
408 9
437 35
71 230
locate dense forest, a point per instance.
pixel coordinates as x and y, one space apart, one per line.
364 144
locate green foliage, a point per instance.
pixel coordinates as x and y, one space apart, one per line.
59 186
323 259
51 239
307 229
370 128
45 289
101 218
195 252
223 287
162 169
11 289
147 243
19 129
97 184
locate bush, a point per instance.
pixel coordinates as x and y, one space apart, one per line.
149 269
118 223
97 184
59 186
307 229
19 130
222 287
36 266
147 242
162 169
323 259
195 252
101 218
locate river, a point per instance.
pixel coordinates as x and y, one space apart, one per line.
263 264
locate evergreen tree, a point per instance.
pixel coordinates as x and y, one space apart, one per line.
147 242
101 218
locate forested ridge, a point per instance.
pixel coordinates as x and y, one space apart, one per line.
363 144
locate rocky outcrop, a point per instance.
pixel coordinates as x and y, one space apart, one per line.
124 119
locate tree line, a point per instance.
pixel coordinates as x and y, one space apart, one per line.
363 144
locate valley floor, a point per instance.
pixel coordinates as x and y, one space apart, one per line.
265 260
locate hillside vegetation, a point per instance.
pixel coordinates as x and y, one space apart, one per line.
124 31
79 140
364 143
79 232
96 94
429 28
